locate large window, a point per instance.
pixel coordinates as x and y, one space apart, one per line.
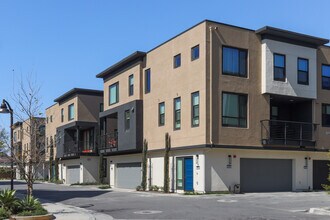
195 109
114 93
147 87
127 120
234 61
279 67
177 61
326 115
62 115
195 53
71 112
234 110
326 77
303 71
131 85
177 113
161 116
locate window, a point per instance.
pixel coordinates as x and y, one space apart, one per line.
177 113
326 115
147 87
195 109
51 118
101 107
234 110
47 120
127 120
177 61
161 116
279 67
15 136
62 115
326 77
131 85
234 61
114 93
195 53
303 69
71 112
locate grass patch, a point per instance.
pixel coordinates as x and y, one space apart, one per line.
192 193
39 211
218 193
104 187
85 184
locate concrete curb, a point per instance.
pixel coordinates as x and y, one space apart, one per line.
320 211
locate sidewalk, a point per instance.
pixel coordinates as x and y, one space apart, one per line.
67 212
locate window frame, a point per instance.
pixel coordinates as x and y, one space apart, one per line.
147 81
239 68
192 53
62 114
284 68
127 120
130 86
160 115
192 109
239 112
298 71
117 93
327 77
175 111
175 64
324 106
69 115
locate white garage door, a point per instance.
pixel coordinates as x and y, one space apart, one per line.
73 174
128 175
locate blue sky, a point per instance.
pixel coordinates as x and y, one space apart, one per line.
66 43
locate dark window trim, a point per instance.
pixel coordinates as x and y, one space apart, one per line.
192 109
146 90
284 68
130 92
159 114
239 118
307 72
191 52
174 63
117 93
70 119
324 105
246 63
62 114
324 76
174 111
127 120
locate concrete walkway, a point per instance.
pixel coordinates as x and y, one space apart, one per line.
66 212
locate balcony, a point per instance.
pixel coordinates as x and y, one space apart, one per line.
74 149
108 142
288 133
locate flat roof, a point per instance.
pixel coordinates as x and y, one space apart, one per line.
75 91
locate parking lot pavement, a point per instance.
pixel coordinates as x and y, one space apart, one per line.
128 204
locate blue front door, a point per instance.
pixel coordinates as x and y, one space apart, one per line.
188 174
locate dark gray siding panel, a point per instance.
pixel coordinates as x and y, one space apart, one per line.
265 175
320 173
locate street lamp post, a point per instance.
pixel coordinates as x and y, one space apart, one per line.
6 108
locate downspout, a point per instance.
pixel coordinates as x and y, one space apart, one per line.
211 84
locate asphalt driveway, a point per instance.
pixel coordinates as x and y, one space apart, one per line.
125 204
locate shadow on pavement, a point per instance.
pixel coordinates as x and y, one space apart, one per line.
59 196
7 182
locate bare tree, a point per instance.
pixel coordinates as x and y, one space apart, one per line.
29 157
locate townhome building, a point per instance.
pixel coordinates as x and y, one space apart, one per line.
71 136
246 110
17 141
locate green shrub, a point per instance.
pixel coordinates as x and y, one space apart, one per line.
4 214
139 188
85 184
29 204
154 188
8 200
104 187
39 211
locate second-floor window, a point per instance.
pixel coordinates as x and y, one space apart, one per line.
127 120
161 116
177 113
234 110
234 61
71 112
195 53
326 115
303 70
114 93
101 107
51 118
195 109
62 115
325 76
131 85
177 61
279 67
147 86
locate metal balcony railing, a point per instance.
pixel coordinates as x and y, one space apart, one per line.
109 141
74 148
276 132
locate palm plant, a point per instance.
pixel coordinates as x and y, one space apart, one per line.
8 200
